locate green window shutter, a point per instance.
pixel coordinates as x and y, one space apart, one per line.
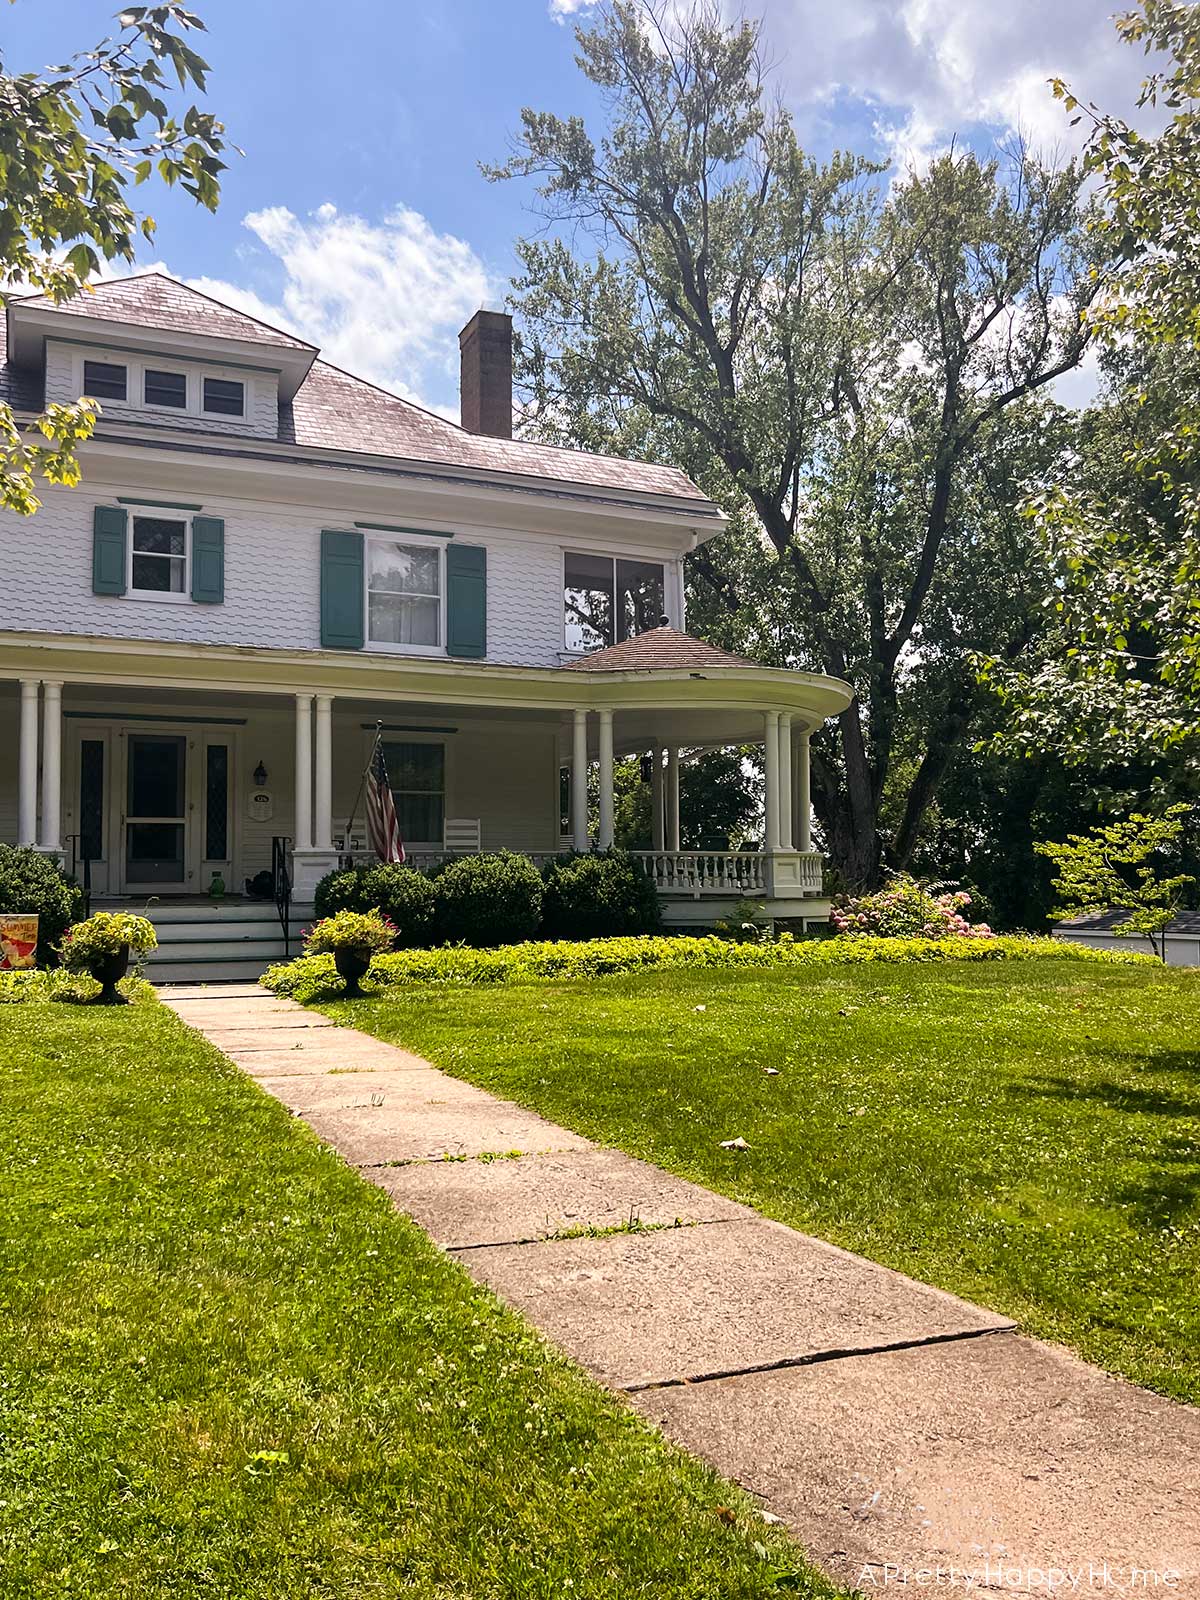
208 560
109 525
341 590
466 600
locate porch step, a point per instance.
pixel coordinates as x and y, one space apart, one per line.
199 942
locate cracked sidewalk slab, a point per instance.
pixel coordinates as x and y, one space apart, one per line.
744 1295
999 1457
468 1204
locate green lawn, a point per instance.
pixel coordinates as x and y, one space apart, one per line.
1026 1134
231 1370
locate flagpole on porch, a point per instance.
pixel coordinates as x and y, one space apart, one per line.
362 782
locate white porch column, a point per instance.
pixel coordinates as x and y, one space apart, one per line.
803 793
771 796
657 806
785 780
302 831
607 831
27 763
673 797
323 783
51 767
579 777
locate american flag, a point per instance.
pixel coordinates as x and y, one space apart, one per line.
383 826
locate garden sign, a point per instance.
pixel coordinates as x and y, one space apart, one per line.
18 942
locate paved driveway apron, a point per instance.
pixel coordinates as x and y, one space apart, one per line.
911 1441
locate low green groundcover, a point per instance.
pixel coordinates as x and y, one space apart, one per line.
310 976
231 1371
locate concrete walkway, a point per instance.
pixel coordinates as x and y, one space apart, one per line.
911 1441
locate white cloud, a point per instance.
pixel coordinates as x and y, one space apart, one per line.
383 299
560 10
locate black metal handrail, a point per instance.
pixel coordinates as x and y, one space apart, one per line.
281 884
80 855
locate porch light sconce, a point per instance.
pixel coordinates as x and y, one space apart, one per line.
260 775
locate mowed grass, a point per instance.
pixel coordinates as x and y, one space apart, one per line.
1025 1134
231 1370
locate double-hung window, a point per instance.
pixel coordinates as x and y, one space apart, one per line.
607 599
404 595
158 556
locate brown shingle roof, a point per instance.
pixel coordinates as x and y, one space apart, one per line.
333 410
152 300
665 648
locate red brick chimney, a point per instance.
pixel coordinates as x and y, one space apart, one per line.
485 349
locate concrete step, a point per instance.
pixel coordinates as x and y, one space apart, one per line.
217 968
267 948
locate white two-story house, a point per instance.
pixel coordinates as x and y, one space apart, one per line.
268 557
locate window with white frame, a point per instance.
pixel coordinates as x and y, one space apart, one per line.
225 397
404 594
105 380
163 388
158 556
607 599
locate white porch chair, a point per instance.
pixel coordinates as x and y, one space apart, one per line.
461 836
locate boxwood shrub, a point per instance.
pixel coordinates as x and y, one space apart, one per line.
31 882
597 896
487 900
404 895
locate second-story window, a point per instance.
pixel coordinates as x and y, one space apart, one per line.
404 594
165 389
158 556
104 380
607 599
225 397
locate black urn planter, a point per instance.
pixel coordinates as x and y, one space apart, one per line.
352 965
107 970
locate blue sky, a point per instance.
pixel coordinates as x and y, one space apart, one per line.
358 215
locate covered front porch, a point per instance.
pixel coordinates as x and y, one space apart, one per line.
166 776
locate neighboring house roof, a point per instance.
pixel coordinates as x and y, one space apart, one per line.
1107 921
152 300
333 410
662 648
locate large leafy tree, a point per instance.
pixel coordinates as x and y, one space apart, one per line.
856 375
73 143
1120 676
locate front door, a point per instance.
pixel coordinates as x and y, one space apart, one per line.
156 812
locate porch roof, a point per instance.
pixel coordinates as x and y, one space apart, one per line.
664 648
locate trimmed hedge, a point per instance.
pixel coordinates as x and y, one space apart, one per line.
311 976
31 882
487 900
404 896
597 896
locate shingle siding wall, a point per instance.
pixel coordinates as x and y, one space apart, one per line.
64 383
272 583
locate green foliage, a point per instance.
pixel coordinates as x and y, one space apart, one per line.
857 375
350 930
32 883
1115 868
488 899
904 908
601 958
401 894
19 988
104 934
72 145
597 896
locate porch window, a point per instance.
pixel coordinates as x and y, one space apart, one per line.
404 595
417 774
158 556
609 599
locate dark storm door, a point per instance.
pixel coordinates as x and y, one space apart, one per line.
156 811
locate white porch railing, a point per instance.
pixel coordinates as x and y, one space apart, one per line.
736 874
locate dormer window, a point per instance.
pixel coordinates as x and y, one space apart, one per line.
225 396
104 380
166 389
